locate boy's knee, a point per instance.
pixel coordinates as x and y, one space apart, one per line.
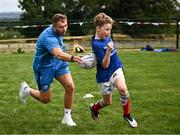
124 92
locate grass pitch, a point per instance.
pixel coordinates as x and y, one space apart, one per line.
153 81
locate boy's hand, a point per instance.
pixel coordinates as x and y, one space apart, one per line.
110 46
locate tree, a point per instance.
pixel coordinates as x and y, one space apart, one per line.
87 9
32 10
39 10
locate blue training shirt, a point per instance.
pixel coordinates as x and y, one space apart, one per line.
48 40
99 47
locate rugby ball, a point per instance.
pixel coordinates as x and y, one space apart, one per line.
88 61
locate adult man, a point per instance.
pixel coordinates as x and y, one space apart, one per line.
50 62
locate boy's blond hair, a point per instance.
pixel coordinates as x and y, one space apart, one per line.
101 19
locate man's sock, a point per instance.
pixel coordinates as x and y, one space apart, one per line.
67 111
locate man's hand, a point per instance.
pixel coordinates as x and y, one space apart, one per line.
77 59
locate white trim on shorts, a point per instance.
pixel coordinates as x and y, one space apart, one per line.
108 87
118 73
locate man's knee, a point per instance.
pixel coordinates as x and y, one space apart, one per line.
70 87
45 97
45 100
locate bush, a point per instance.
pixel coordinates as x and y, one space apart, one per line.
7 34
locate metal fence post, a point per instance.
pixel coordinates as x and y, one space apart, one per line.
177 34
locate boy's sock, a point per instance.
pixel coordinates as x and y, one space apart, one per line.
98 105
126 107
125 101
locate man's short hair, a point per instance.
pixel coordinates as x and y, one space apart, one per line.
58 17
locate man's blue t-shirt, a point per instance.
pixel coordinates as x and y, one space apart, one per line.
48 40
99 47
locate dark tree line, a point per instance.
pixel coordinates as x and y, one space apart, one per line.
39 12
42 10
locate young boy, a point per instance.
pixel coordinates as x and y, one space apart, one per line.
109 70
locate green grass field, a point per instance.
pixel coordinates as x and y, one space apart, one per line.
153 80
